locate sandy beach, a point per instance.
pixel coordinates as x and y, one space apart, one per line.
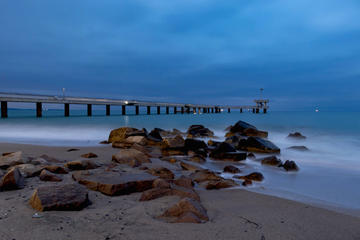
233 213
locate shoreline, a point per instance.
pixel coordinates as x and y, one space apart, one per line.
34 150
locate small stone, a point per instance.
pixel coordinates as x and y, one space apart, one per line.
89 155
231 169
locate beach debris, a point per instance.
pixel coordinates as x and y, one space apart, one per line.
199 131
296 135
223 183
181 211
298 148
89 155
130 156
12 180
68 197
271 161
245 129
231 169
11 159
114 183
49 176
73 150
255 176
161 172
256 144
290 166
82 164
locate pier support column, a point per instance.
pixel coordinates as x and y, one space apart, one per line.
158 109
204 110
148 110
199 110
265 110
187 110
175 110
257 110
4 109
89 110
167 110
107 110
212 110
253 110
229 111
194 110
67 110
240 110
123 110
182 110
38 109
137 110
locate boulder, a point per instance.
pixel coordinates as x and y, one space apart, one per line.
29 170
223 183
118 135
213 143
298 148
155 135
226 151
176 142
56 169
184 181
161 183
114 183
11 159
290 166
255 176
82 164
272 161
246 182
161 172
194 144
128 156
296 135
49 176
256 144
234 140
141 140
174 190
12 180
246 129
187 205
231 169
189 167
198 131
69 197
205 175
89 155
197 158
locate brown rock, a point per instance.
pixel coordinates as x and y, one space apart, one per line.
73 150
69 197
51 159
247 182
161 172
114 183
89 155
125 156
296 135
49 176
56 169
29 170
182 192
12 180
11 159
161 183
223 183
175 142
172 152
197 158
188 217
183 181
198 131
205 175
255 176
290 166
120 134
189 167
187 205
272 161
231 169
82 165
6 153
104 142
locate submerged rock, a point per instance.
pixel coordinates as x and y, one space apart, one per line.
231 169
298 148
296 135
69 197
255 176
256 144
290 166
272 161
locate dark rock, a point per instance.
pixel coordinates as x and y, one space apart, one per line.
225 151
205 175
246 129
231 169
223 183
69 197
73 150
155 135
12 180
251 156
255 176
246 182
187 205
49 177
256 144
272 161
200 152
82 165
296 135
213 143
298 148
184 181
189 167
198 131
104 142
89 155
114 183
161 172
56 169
194 144
176 142
197 158
290 166
11 159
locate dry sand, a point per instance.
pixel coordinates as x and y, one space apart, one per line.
234 213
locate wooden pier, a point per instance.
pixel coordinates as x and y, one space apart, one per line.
39 100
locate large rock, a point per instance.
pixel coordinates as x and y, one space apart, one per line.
184 181
290 166
296 135
226 151
69 197
231 169
245 129
189 167
223 183
12 180
174 142
298 148
56 169
49 176
256 144
194 144
128 156
184 206
114 183
89 155
29 170
174 190
11 159
82 164
272 161
198 131
118 135
205 175
161 172
155 135
255 176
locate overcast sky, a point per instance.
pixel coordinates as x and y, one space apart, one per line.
303 53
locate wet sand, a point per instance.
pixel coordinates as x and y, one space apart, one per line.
233 213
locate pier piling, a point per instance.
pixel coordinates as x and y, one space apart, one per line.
107 110
38 109
175 110
89 110
158 109
148 110
167 110
229 110
137 111
67 109
123 110
182 110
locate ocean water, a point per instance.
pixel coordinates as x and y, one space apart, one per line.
329 173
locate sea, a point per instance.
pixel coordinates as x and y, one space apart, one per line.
329 173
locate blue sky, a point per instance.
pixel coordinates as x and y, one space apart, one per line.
303 53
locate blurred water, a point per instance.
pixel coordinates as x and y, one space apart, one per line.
329 172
